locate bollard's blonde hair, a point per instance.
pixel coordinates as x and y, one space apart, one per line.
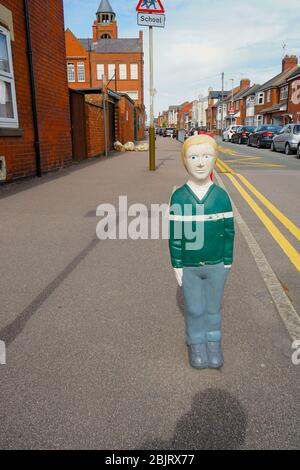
199 140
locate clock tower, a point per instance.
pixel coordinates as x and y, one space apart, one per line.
105 26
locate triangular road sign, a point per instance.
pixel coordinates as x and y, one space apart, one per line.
150 6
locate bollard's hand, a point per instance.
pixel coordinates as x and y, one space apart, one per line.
178 274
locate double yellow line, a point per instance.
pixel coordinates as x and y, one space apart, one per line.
282 241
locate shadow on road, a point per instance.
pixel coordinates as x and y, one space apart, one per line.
216 421
180 299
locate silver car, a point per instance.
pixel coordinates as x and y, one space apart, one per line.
228 133
288 139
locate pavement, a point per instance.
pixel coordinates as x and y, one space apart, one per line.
96 357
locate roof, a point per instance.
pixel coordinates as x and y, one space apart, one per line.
251 91
278 79
275 108
217 94
112 45
295 73
241 93
105 7
173 108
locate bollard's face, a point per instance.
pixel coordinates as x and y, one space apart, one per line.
200 161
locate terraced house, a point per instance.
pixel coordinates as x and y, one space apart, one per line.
294 96
271 99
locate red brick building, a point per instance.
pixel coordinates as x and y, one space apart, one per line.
185 116
120 61
35 130
294 96
272 97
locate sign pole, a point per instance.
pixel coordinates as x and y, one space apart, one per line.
151 129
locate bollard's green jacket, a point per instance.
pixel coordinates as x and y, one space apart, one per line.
212 216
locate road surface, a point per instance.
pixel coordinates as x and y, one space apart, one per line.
94 330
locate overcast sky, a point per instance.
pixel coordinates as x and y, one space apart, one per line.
202 38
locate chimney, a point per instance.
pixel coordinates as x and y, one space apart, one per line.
141 37
245 83
289 62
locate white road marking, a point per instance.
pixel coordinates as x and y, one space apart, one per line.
283 304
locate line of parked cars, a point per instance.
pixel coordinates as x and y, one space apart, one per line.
282 139
166 131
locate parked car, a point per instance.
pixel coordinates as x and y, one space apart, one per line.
157 130
161 131
228 133
262 136
168 132
288 140
199 130
241 135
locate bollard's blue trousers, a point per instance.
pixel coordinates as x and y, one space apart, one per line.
203 288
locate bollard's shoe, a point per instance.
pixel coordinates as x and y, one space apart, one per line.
198 356
215 355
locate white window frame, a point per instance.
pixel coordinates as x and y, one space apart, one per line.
284 92
123 71
260 97
134 71
111 71
8 77
100 71
68 69
81 69
132 92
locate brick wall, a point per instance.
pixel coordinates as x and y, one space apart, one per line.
294 99
94 129
125 120
47 24
140 117
48 45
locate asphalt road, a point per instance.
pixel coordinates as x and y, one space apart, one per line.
277 177
94 329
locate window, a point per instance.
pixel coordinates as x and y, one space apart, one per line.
297 130
123 71
100 71
268 96
260 98
81 72
284 92
237 105
134 95
134 72
259 121
71 72
105 36
111 71
8 102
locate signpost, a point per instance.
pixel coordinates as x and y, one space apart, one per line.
151 14
151 19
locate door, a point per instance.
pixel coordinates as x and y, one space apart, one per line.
78 125
281 139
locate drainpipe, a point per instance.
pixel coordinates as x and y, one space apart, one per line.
33 93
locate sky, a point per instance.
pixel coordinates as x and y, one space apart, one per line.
202 39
